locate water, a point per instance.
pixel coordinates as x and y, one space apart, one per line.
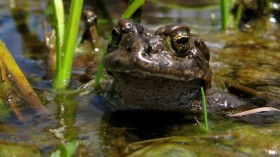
249 59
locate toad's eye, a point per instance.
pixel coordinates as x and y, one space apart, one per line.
116 35
181 43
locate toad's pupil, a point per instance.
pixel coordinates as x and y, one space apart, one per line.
182 40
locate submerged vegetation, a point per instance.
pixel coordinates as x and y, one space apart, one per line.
84 126
66 150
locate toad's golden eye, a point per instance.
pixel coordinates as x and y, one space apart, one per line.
181 43
116 35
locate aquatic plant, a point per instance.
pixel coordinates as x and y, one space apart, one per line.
19 81
66 40
205 118
66 150
238 17
224 14
59 25
4 111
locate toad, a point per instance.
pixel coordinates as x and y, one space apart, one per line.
161 70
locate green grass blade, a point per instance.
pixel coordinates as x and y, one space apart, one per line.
204 111
238 17
64 73
59 20
101 65
127 14
71 147
224 14
132 8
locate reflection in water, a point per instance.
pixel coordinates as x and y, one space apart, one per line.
123 127
145 125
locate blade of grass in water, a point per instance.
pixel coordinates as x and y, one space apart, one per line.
238 17
132 8
204 111
64 73
59 20
66 150
224 14
127 14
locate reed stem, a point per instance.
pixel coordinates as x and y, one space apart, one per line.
224 14
204 111
63 73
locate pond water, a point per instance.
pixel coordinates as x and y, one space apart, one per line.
248 58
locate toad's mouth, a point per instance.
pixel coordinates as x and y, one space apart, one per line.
130 76
148 74
145 74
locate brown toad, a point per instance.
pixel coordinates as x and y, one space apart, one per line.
161 70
